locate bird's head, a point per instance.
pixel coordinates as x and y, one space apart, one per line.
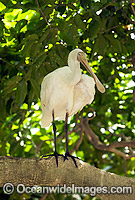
79 56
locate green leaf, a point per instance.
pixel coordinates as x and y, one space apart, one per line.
85 3
21 24
78 22
36 49
116 44
2 109
21 92
11 84
28 75
133 78
35 87
28 48
32 37
70 36
94 28
2 6
100 46
112 21
40 58
60 9
44 36
14 80
103 1
49 35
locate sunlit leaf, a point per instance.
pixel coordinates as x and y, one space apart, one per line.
2 6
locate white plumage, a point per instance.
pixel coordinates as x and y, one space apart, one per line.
83 93
67 90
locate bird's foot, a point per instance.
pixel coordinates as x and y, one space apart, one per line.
56 154
67 154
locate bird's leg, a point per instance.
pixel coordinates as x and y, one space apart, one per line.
54 131
66 133
67 154
56 154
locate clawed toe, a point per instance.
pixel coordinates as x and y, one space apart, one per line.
73 158
56 155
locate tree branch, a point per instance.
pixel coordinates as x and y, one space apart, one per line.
43 13
108 4
43 172
78 143
130 20
49 25
111 28
132 7
94 140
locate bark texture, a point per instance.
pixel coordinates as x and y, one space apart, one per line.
44 172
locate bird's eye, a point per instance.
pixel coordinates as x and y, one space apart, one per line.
79 56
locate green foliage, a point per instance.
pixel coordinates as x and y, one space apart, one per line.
32 45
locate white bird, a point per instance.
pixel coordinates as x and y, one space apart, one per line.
66 90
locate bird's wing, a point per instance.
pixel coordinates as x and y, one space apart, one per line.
84 92
53 83
44 90
45 95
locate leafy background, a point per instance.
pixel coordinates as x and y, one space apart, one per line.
35 39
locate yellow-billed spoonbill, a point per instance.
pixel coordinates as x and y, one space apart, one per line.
65 91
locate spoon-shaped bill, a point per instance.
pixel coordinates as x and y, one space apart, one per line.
99 85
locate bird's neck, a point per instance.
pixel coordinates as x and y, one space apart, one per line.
76 71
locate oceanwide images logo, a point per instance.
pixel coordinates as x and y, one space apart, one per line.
9 188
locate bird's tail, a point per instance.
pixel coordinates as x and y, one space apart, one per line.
45 120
